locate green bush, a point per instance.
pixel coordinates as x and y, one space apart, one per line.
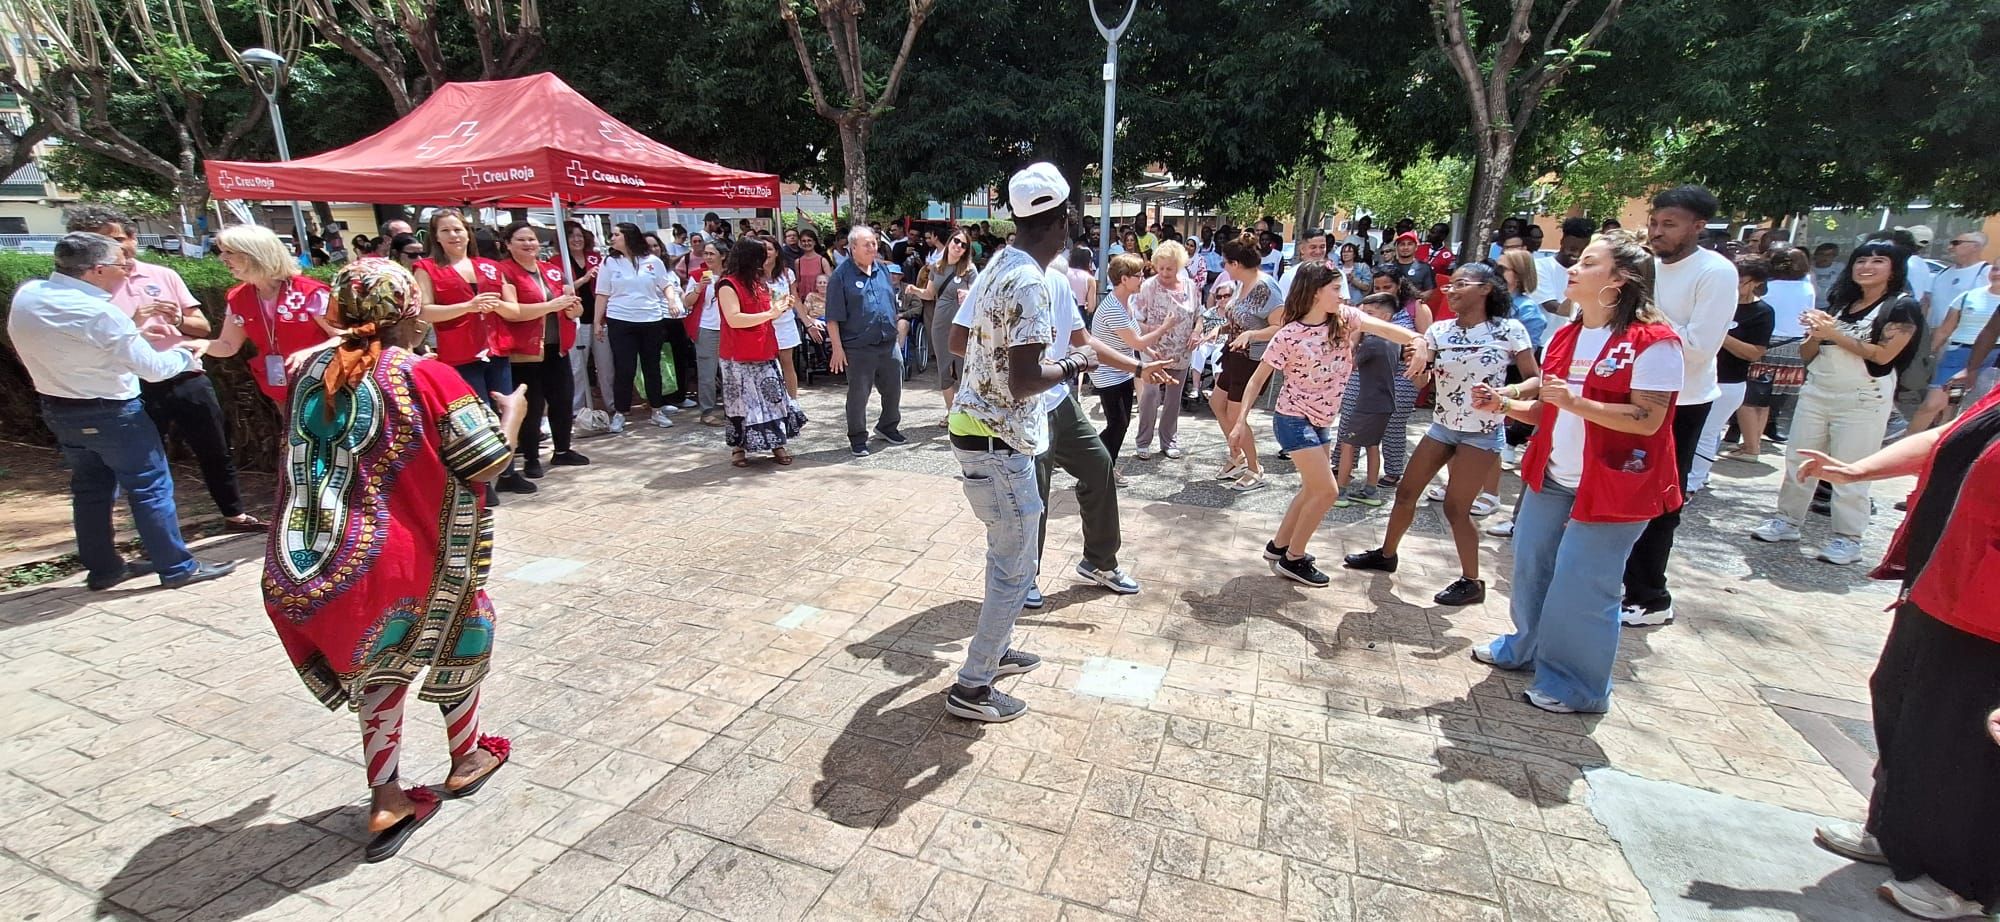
253 421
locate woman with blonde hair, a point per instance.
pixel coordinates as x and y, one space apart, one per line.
276 309
1599 468
376 570
1167 310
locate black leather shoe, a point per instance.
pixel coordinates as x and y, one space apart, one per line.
132 569
532 469
1370 560
568 459
1462 591
203 572
513 482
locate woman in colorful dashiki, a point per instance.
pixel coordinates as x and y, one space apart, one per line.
376 567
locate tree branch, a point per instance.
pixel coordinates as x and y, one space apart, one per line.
919 11
1544 78
820 104
1512 44
1448 27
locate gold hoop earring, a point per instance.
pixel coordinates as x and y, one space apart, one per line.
1614 295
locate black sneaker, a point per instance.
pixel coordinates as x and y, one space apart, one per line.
987 704
860 449
1300 570
1462 591
533 469
568 459
893 436
1015 662
1370 560
513 482
1274 553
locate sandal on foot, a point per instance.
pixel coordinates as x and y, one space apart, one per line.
500 747
782 456
389 841
248 522
738 459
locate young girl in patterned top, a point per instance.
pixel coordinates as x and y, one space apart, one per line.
1315 350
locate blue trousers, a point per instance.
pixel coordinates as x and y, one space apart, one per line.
488 377
1001 488
1568 587
112 445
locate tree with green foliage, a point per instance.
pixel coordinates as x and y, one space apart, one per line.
112 72
865 98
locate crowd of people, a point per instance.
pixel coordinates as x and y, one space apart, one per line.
421 383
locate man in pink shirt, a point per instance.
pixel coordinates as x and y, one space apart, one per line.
163 308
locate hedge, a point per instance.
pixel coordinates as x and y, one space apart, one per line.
253 421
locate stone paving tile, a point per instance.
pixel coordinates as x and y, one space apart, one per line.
697 740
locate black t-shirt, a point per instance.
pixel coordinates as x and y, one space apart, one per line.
1899 308
1752 325
1418 272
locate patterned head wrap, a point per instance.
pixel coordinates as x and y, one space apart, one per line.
374 290
368 295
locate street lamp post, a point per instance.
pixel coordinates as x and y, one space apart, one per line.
268 67
1111 36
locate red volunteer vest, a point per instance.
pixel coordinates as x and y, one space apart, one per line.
288 328
541 286
1960 585
462 338
1618 484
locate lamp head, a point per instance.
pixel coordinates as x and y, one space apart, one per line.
264 59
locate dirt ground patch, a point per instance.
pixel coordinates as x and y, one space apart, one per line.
36 543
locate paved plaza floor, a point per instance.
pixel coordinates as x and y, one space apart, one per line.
723 688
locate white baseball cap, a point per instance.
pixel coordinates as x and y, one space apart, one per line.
1036 189
1922 232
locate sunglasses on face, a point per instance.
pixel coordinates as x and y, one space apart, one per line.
411 254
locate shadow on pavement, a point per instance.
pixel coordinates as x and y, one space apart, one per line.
213 867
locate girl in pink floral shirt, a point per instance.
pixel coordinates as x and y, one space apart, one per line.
1315 350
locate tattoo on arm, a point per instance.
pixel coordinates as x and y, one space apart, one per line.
1645 403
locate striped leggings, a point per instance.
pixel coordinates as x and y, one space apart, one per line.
382 729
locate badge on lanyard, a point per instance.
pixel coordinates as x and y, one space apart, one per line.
274 370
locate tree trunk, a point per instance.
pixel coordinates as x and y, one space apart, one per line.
191 192
1489 183
854 164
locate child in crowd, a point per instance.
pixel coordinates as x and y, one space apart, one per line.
1315 351
1365 418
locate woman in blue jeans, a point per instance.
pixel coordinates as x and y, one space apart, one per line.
1599 467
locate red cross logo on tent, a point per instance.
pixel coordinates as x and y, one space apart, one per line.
459 136
576 173
616 134
470 179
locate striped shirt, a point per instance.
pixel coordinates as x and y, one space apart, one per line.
1109 319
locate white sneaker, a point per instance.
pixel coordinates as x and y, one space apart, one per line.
669 409
662 420
1510 455
1251 480
545 429
1638 616
1435 493
1501 529
1927 899
689 404
1775 530
617 424
1547 703
1850 841
1485 504
1175 452
1842 550
1143 454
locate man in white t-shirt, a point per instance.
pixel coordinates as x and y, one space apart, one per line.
1954 320
1696 289
1826 270
1311 250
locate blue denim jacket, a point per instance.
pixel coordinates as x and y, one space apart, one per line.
864 304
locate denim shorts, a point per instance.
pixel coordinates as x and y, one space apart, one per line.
1953 360
1484 441
1297 432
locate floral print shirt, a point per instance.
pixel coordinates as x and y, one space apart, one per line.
1463 356
1155 305
1010 306
1316 367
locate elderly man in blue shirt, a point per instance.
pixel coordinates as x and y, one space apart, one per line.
861 322
87 358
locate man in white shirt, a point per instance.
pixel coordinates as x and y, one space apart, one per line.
1696 289
1311 250
158 300
1967 273
86 359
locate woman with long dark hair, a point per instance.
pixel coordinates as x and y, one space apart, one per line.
634 290
1853 352
951 279
461 293
784 285
1475 347
543 333
1598 469
762 415
592 348
705 324
1251 320
1359 275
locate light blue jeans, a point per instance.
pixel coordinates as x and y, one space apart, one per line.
1568 585
1001 487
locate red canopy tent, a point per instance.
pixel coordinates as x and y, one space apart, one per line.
513 143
